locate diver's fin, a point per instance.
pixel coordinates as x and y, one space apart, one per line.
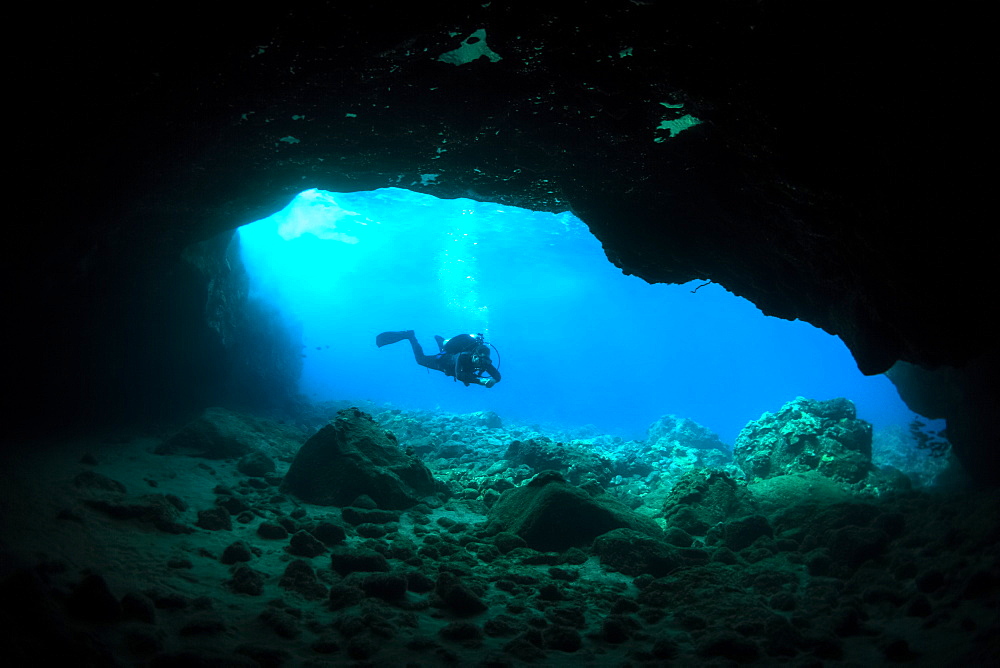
385 338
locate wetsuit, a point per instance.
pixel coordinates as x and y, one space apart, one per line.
455 360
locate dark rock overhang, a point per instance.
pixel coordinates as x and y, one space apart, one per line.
815 184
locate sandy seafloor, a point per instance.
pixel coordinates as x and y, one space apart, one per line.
48 531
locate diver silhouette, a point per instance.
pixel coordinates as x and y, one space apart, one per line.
464 357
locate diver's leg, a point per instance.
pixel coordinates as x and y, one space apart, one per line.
429 361
387 338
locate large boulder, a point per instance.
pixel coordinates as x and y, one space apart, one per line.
634 553
487 419
552 515
217 434
351 456
774 495
702 498
807 435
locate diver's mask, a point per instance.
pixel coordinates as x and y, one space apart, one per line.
480 356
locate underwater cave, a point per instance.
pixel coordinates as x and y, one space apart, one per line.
732 283
580 343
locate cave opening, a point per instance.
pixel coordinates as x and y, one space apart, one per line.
579 342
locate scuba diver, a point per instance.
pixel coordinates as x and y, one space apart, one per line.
464 357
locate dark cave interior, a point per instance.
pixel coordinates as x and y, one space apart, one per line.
821 183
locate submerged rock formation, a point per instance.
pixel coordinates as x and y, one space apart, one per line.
217 434
807 435
219 568
671 430
680 443
576 461
635 553
702 498
354 456
552 515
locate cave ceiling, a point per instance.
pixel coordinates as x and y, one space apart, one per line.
816 180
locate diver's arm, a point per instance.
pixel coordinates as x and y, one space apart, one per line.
472 378
494 376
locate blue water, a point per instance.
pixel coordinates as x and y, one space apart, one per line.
579 342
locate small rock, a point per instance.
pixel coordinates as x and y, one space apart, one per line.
457 597
247 581
256 464
300 577
215 519
236 552
272 531
329 534
346 561
304 544
385 586
343 596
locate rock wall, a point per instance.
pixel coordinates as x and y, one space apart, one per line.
261 352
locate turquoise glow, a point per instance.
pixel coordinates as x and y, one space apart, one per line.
579 342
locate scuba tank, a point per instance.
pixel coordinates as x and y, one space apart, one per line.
469 351
462 343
